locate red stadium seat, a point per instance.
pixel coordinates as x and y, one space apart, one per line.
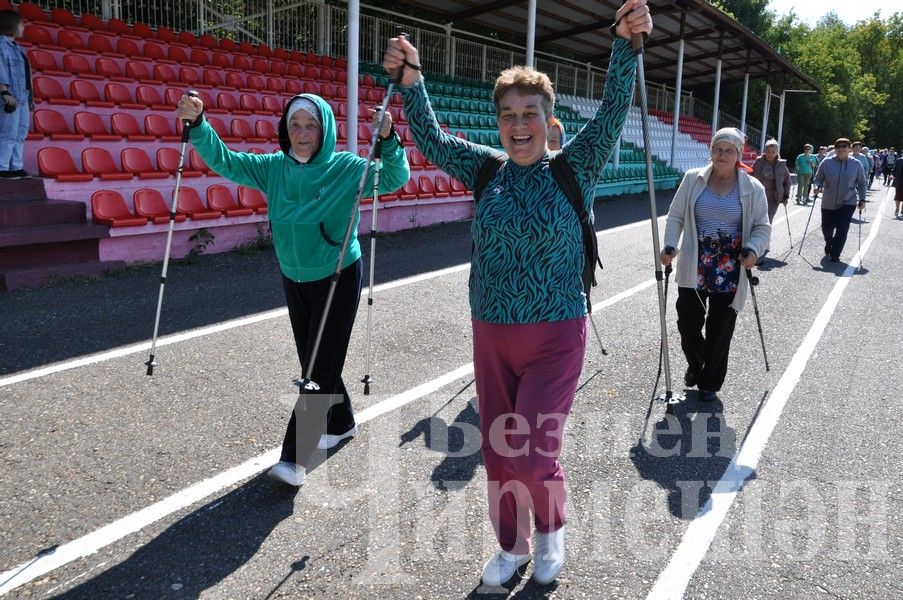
161 128
266 130
103 44
279 68
247 48
139 72
121 28
57 163
242 129
87 93
252 198
143 31
197 163
136 161
311 87
44 62
428 187
200 56
274 84
209 42
282 54
72 41
149 203
33 13
264 51
109 68
179 55
155 52
94 23
271 105
416 160
443 187
120 95
235 80
226 103
49 90
150 97
241 63
364 134
109 208
127 126
260 65
312 73
220 198
255 84
190 77
408 191
341 91
40 36
191 205
220 128
52 124
165 34
99 163
250 104
342 132
168 160
165 73
129 48
213 78
293 87
222 60
91 125
229 45
295 71
76 64
188 38
327 90
458 188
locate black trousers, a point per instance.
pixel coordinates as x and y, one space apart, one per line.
706 356
329 409
835 225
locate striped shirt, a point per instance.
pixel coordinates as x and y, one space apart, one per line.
719 223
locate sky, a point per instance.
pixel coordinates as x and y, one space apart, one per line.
849 11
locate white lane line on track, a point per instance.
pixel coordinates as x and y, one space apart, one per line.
232 324
108 534
673 581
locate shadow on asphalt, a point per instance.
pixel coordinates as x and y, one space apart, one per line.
686 452
200 550
79 317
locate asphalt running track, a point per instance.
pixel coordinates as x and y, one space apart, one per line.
139 487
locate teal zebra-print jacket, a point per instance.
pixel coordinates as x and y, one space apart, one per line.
528 252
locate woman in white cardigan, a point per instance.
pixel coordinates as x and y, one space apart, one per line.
722 215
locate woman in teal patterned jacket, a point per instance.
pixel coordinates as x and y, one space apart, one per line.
527 300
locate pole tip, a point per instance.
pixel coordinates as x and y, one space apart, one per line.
151 363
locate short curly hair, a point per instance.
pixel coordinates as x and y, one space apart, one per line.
526 80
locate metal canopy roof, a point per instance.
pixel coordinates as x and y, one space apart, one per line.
580 28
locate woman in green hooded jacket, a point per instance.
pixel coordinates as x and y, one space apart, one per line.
310 190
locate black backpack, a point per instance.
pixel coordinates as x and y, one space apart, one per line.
567 181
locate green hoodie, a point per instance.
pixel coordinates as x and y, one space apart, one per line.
309 204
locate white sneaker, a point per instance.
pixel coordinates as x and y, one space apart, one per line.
502 567
328 440
549 556
288 473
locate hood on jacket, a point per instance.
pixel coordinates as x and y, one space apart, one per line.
328 136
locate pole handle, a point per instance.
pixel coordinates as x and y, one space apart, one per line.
637 41
186 124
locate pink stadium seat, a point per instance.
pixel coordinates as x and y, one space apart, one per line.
57 163
109 208
136 161
49 90
168 160
253 199
120 95
127 126
149 203
99 163
220 198
191 205
161 128
91 125
52 124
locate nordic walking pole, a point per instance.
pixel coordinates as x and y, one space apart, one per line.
186 124
367 380
307 384
860 237
753 282
669 397
787 218
811 210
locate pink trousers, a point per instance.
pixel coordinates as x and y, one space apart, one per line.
526 377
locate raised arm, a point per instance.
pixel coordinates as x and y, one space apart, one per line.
240 167
459 158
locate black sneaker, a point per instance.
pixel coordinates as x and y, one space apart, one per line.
19 174
835 258
6 174
707 396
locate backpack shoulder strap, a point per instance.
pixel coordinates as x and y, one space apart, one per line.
567 181
488 169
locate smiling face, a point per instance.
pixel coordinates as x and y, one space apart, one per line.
724 158
523 126
305 134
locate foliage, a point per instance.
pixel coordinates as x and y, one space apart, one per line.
200 239
858 67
